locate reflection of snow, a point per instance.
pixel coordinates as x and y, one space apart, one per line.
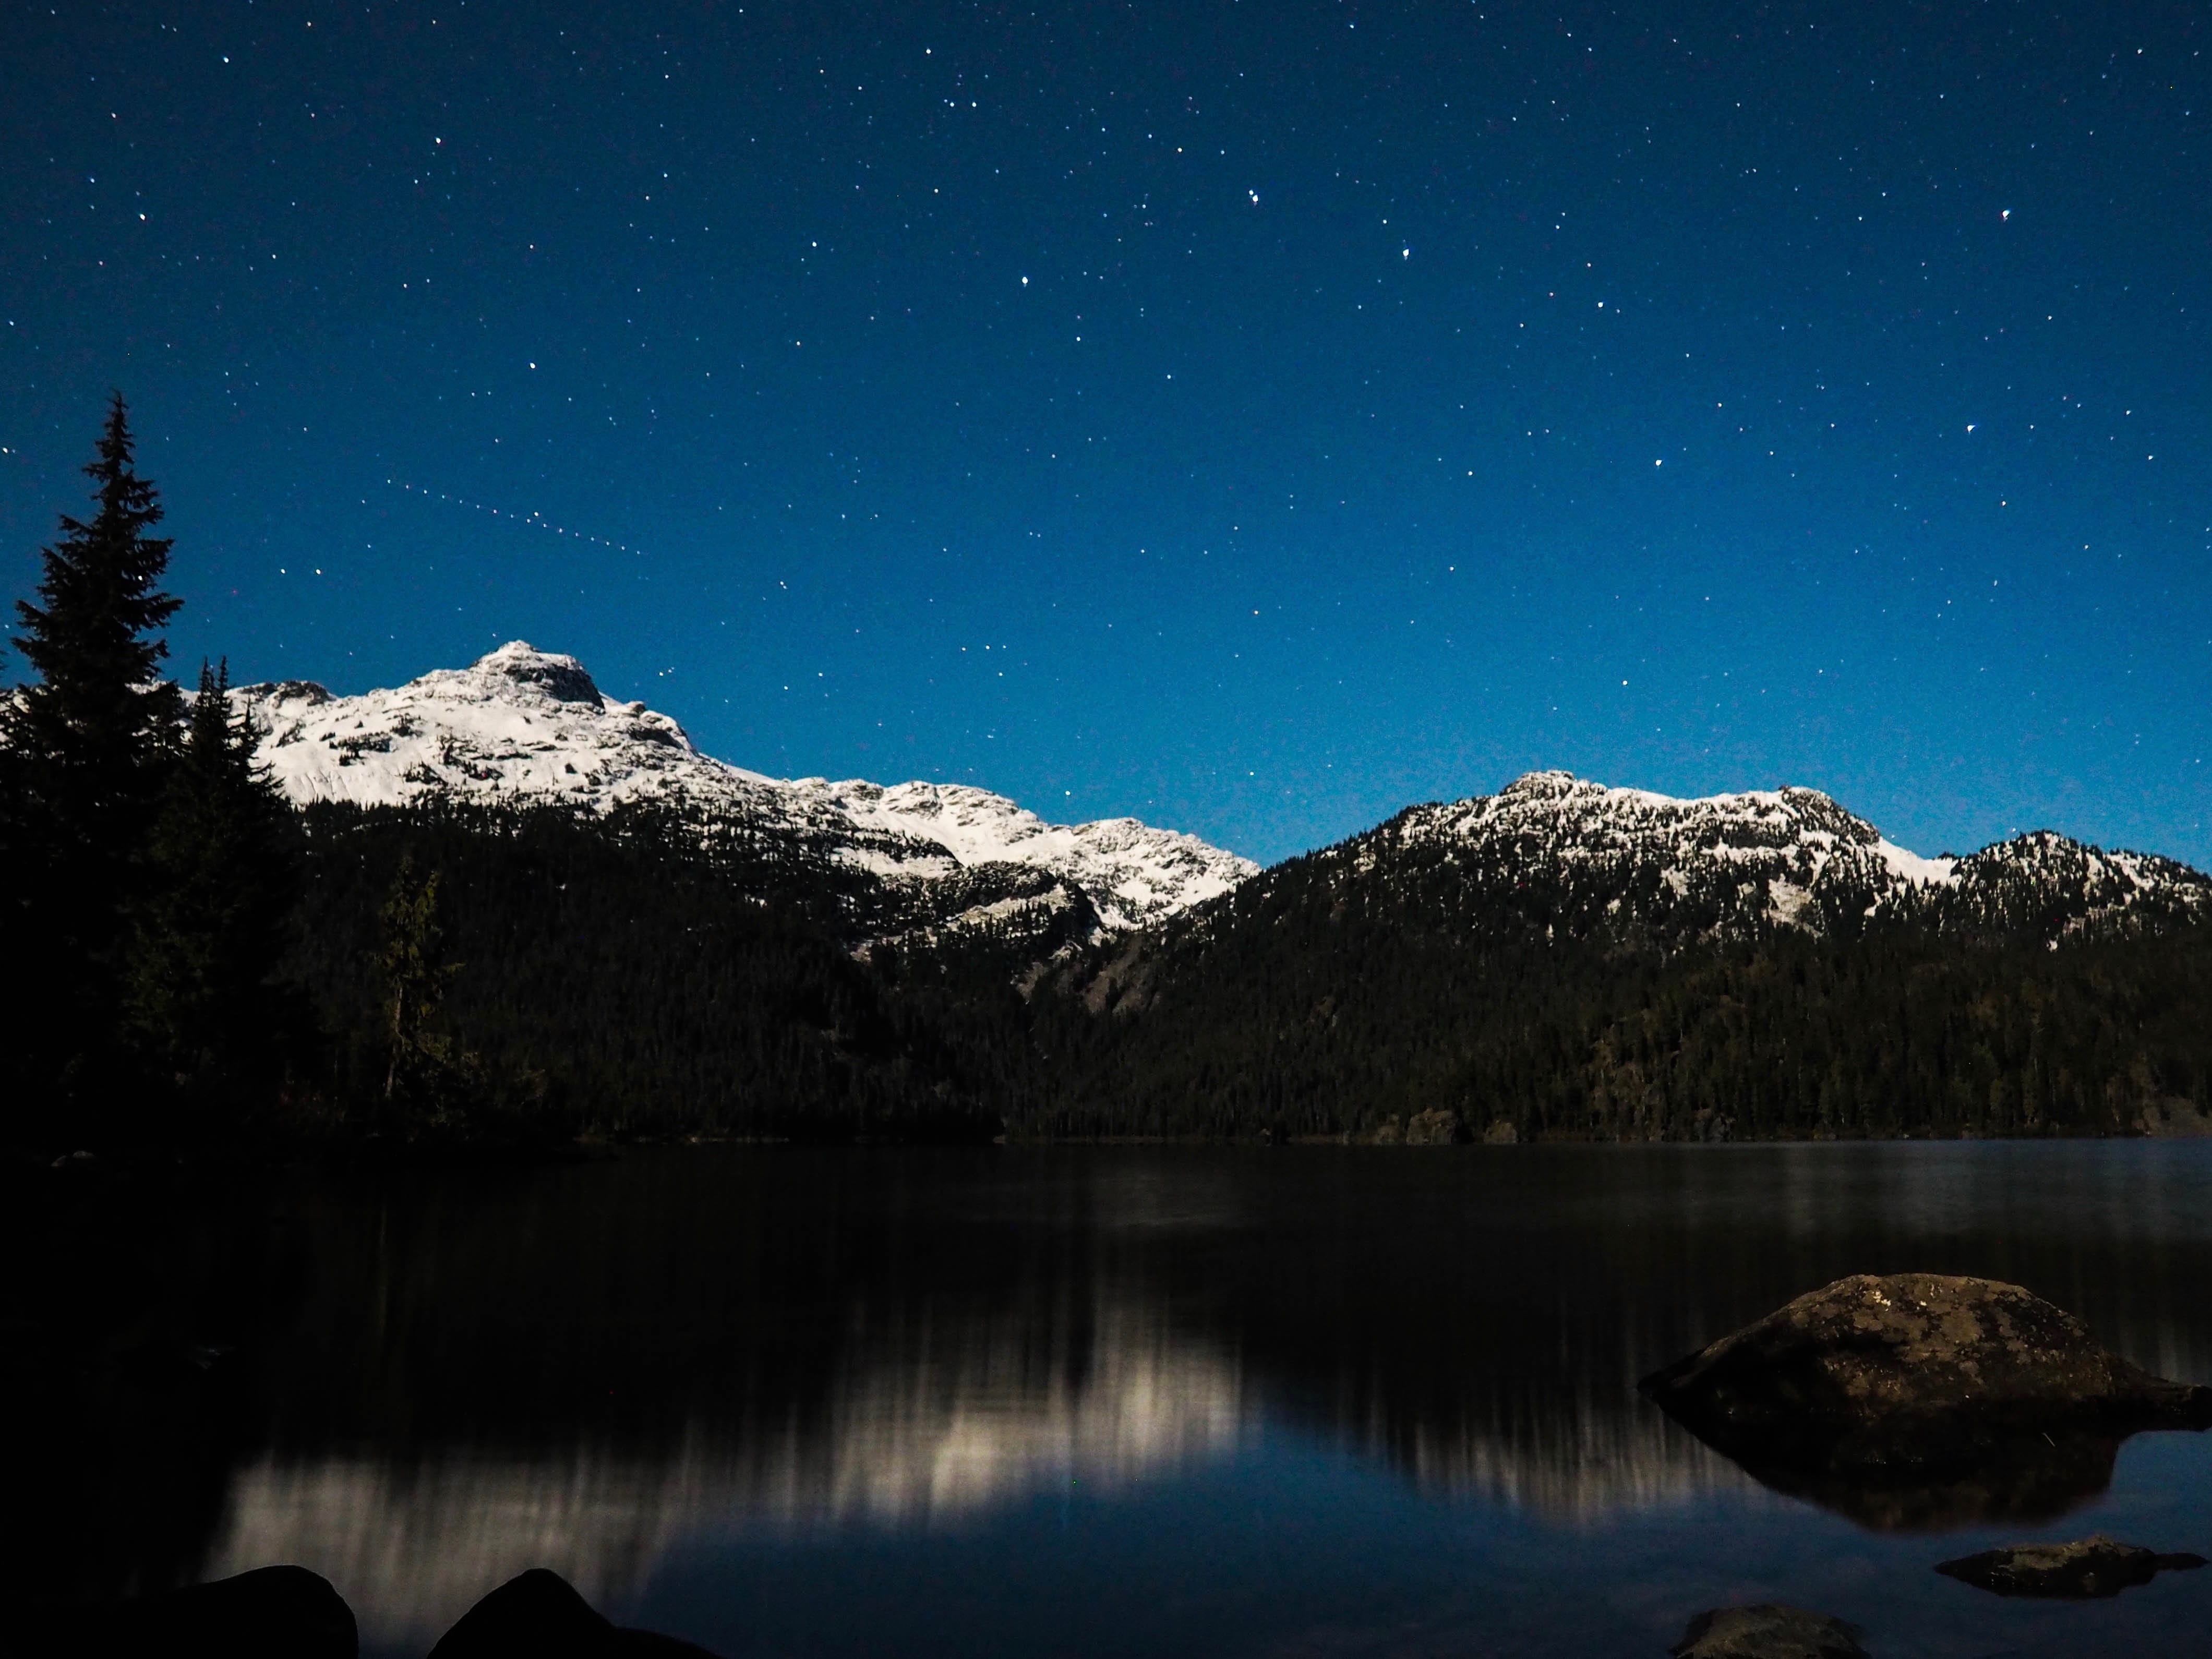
412 1545
1586 1467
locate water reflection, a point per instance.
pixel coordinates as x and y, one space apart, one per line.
607 1369
2020 1483
972 1423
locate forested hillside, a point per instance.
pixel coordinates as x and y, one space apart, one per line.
519 911
1544 995
638 974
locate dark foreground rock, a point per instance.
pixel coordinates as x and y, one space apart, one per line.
2085 1570
1769 1631
1959 1399
540 1615
272 1612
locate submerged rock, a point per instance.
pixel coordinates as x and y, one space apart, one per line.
1920 1381
1769 1631
540 1615
2084 1570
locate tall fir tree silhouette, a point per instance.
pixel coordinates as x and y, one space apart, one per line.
89 741
206 1015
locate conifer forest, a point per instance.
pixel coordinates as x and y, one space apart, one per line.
195 962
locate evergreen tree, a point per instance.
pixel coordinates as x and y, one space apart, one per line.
431 1084
206 1015
89 741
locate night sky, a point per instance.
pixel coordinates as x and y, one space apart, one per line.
1252 416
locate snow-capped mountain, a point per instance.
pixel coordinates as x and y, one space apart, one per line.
1722 863
525 726
522 725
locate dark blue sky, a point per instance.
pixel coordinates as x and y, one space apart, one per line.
1255 418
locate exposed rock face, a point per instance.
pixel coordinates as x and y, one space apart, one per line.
2084 1570
2177 1118
1918 1398
1439 1127
1769 1631
539 1615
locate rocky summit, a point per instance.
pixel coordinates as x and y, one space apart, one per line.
522 726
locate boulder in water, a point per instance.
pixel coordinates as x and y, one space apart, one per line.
1911 1375
2085 1570
1769 1631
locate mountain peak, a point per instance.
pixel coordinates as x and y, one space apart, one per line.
1721 864
1559 806
523 726
560 677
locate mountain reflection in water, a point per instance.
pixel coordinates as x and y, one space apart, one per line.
971 1421
620 1369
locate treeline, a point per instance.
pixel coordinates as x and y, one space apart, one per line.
628 977
193 962
1319 1002
146 869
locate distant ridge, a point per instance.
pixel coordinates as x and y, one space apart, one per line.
1565 960
1724 864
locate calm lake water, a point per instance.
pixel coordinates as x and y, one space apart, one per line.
1109 1401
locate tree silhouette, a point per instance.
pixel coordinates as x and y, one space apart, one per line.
432 1086
207 1017
88 741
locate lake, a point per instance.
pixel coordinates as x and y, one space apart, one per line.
1117 1401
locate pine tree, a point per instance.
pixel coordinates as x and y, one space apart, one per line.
205 1012
88 744
432 1087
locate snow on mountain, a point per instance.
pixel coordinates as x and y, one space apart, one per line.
1791 856
525 726
522 725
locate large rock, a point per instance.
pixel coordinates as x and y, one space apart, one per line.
1769 1631
272 1612
1436 1127
538 1615
1917 1378
2082 1570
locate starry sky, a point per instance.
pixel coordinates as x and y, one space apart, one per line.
1255 418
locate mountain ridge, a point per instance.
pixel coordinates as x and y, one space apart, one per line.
522 726
1724 864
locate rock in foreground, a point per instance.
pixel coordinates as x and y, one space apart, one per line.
2082 1570
271 1612
1769 1631
538 1615
1912 1376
